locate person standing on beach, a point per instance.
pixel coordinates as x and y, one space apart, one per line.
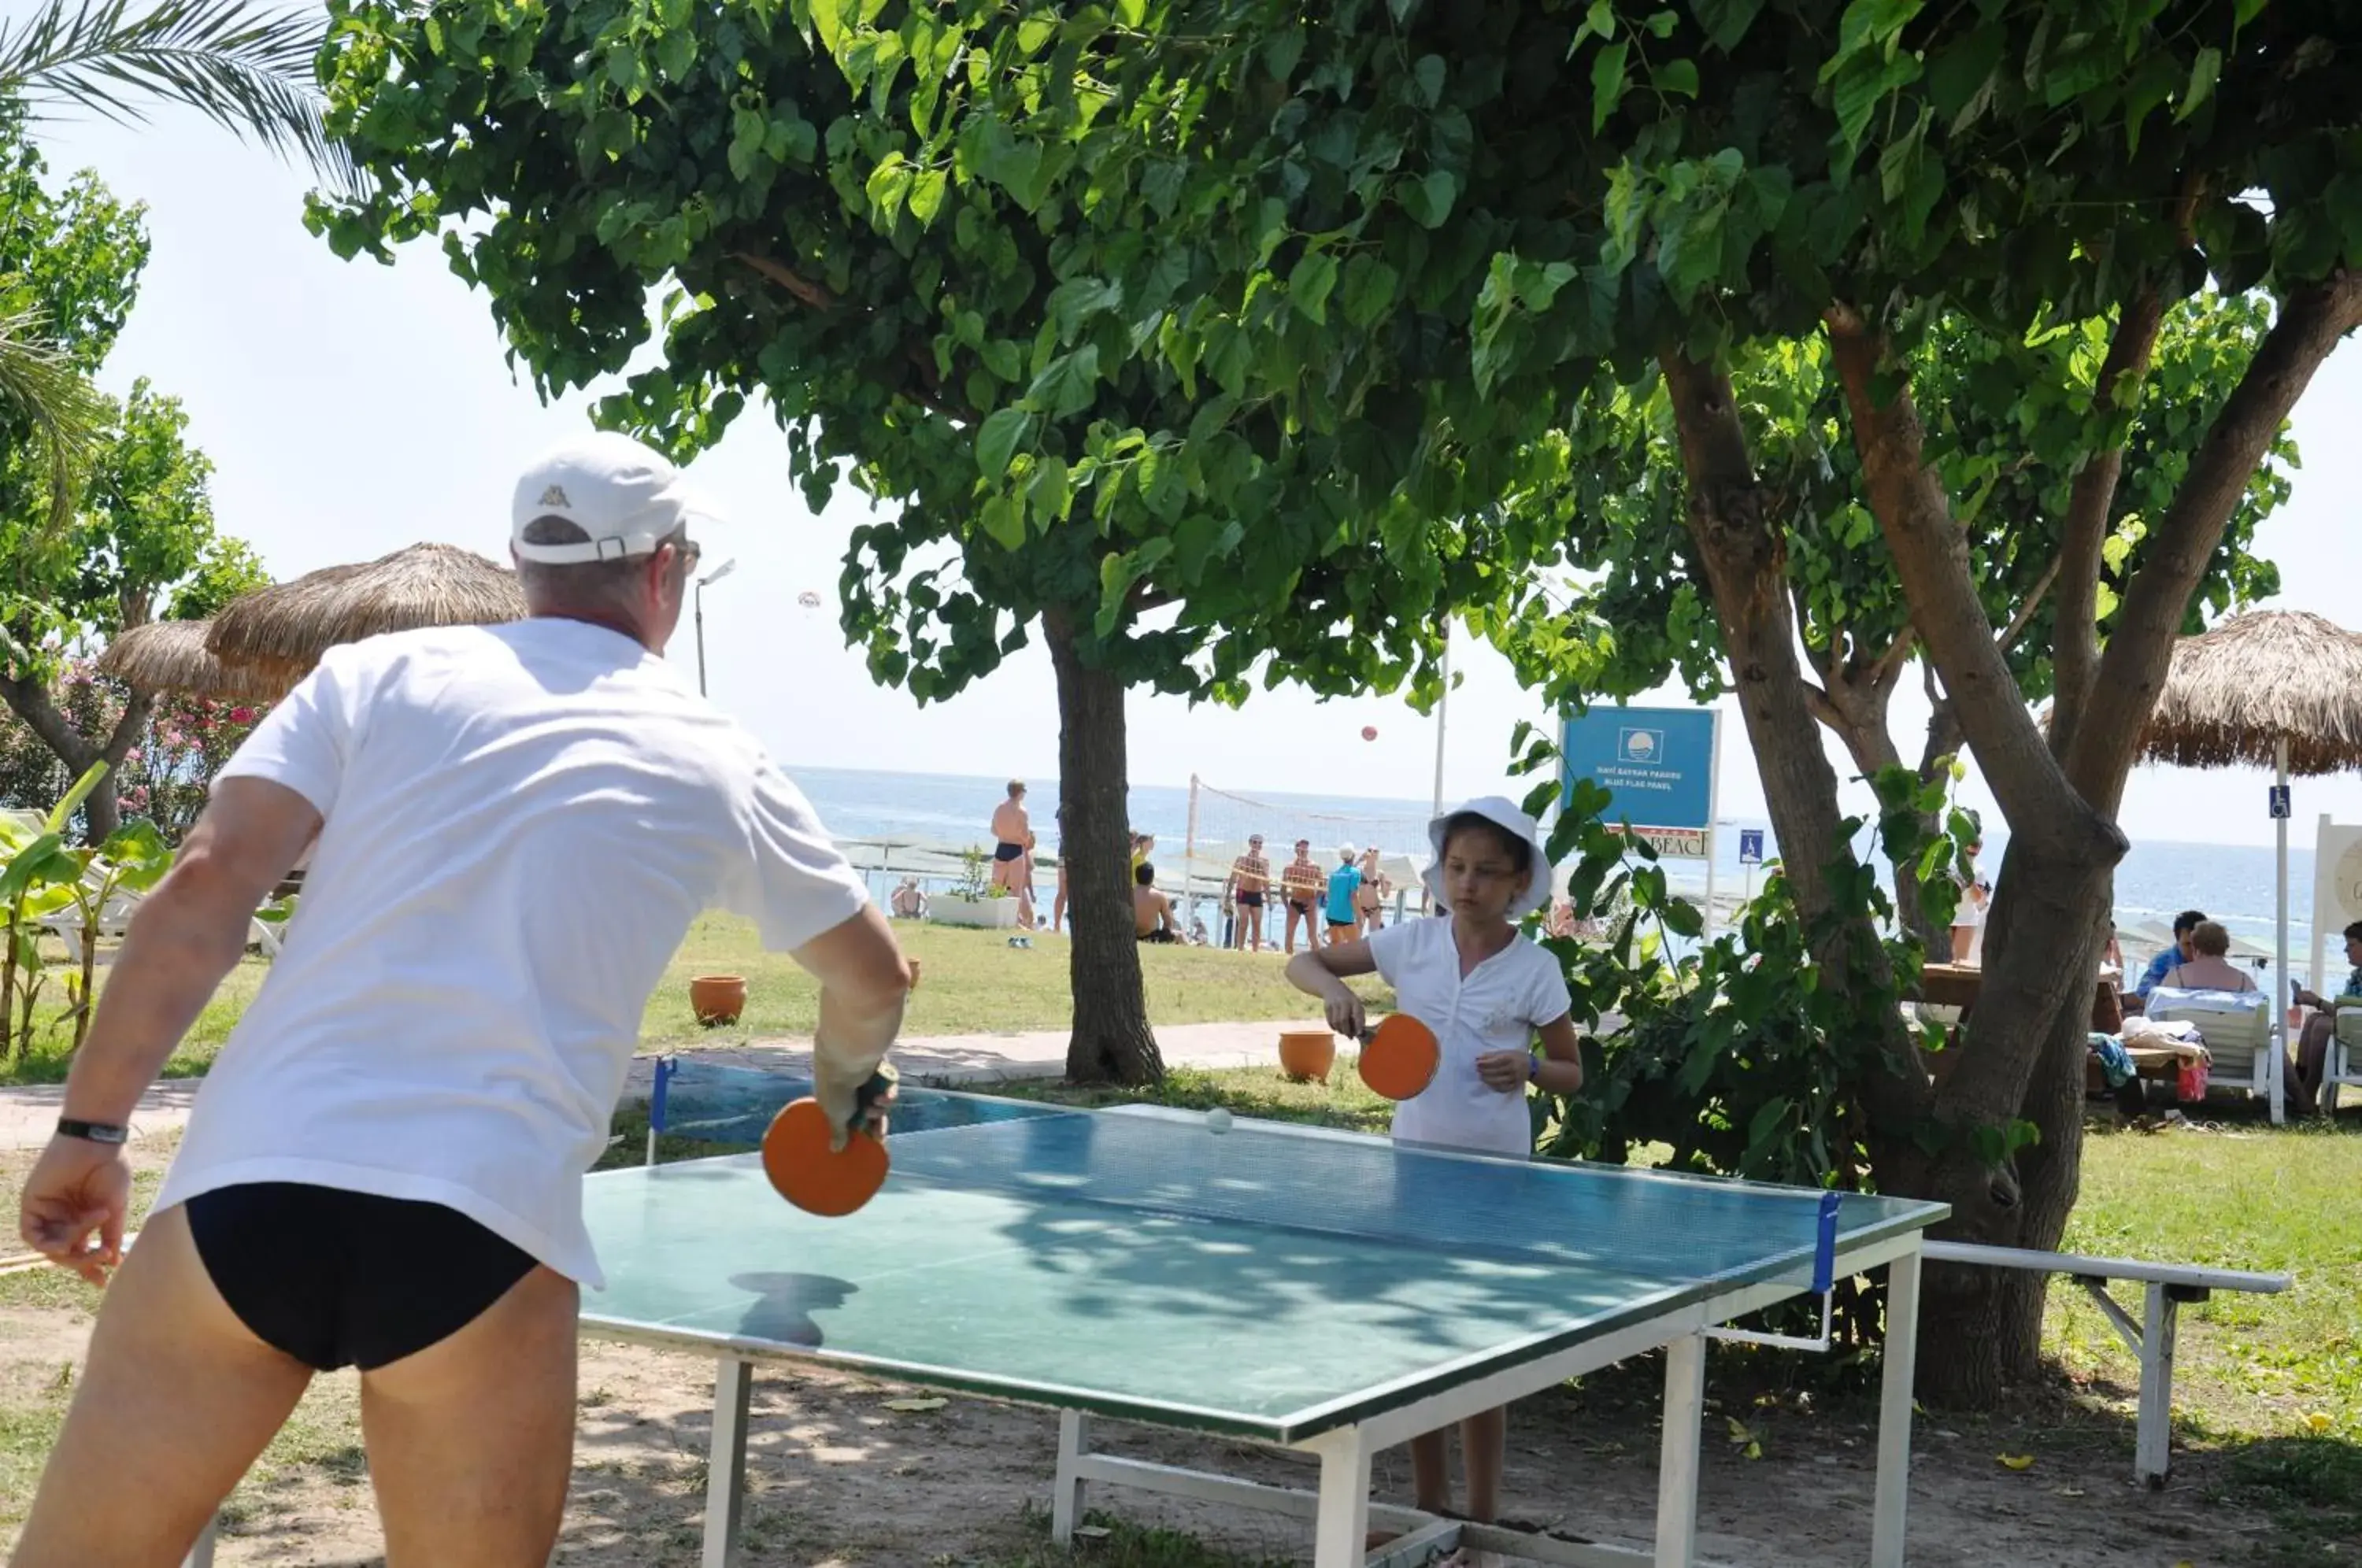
1300 888
1370 902
511 828
1249 880
1343 899
1012 851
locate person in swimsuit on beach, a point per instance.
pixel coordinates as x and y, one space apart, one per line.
1152 911
1371 897
1250 880
1012 851
1303 887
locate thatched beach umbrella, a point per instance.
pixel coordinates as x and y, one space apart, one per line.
283 629
172 656
2275 689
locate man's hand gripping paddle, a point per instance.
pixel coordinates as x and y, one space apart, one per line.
1400 1057
815 1177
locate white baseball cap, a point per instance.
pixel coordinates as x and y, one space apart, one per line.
627 497
1502 813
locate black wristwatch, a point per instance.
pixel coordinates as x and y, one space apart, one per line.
92 1131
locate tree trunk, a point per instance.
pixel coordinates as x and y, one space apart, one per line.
1990 1320
1111 1041
1745 561
30 700
1858 713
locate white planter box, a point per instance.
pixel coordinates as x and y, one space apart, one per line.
989 914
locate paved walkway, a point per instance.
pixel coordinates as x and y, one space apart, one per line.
27 1114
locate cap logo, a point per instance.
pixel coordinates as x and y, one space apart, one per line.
555 496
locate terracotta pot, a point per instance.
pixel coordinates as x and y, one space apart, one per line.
717 998
1307 1054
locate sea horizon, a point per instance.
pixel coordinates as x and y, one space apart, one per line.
2158 877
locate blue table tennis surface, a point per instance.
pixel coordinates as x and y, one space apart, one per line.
1270 1282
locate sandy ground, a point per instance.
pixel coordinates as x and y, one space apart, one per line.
836 1477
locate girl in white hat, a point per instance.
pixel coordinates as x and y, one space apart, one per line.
1488 993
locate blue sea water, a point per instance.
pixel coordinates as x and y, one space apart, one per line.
2233 883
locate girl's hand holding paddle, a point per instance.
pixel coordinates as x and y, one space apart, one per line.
1346 1014
1506 1071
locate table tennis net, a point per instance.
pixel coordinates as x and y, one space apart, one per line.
1174 1168
732 1107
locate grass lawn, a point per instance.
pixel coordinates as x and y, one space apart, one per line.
972 982
2274 1380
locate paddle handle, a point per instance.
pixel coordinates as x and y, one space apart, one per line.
864 1098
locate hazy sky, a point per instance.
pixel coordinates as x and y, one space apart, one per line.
352 409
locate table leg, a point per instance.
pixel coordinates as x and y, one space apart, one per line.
1898 1365
1341 1524
1067 1502
1677 1460
725 1471
2153 1449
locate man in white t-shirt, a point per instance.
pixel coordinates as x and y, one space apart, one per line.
513 827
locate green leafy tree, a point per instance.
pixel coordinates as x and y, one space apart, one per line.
921 319
2003 433
143 536
1526 202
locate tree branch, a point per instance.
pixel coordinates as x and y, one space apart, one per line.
29 701
2131 672
819 297
2075 638
2027 611
1943 726
1824 712
1886 669
1744 561
137 710
1931 556
813 294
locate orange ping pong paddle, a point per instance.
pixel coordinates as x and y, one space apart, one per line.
819 1180
1400 1057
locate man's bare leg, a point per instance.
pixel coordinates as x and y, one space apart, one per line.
470 1441
176 1400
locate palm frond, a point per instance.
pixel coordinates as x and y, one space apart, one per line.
248 67
70 415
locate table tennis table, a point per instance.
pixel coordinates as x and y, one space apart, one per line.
1324 1291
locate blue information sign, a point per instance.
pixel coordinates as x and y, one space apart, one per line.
1656 764
2280 801
1750 846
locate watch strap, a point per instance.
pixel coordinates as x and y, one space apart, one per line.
92 1131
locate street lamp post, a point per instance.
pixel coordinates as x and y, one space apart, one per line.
716 575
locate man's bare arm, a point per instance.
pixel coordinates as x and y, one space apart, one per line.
184 938
863 980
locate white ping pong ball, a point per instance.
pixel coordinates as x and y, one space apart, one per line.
1218 1121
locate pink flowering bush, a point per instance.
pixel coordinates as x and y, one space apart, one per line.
165 775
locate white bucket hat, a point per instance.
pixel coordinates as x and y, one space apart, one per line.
1504 813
